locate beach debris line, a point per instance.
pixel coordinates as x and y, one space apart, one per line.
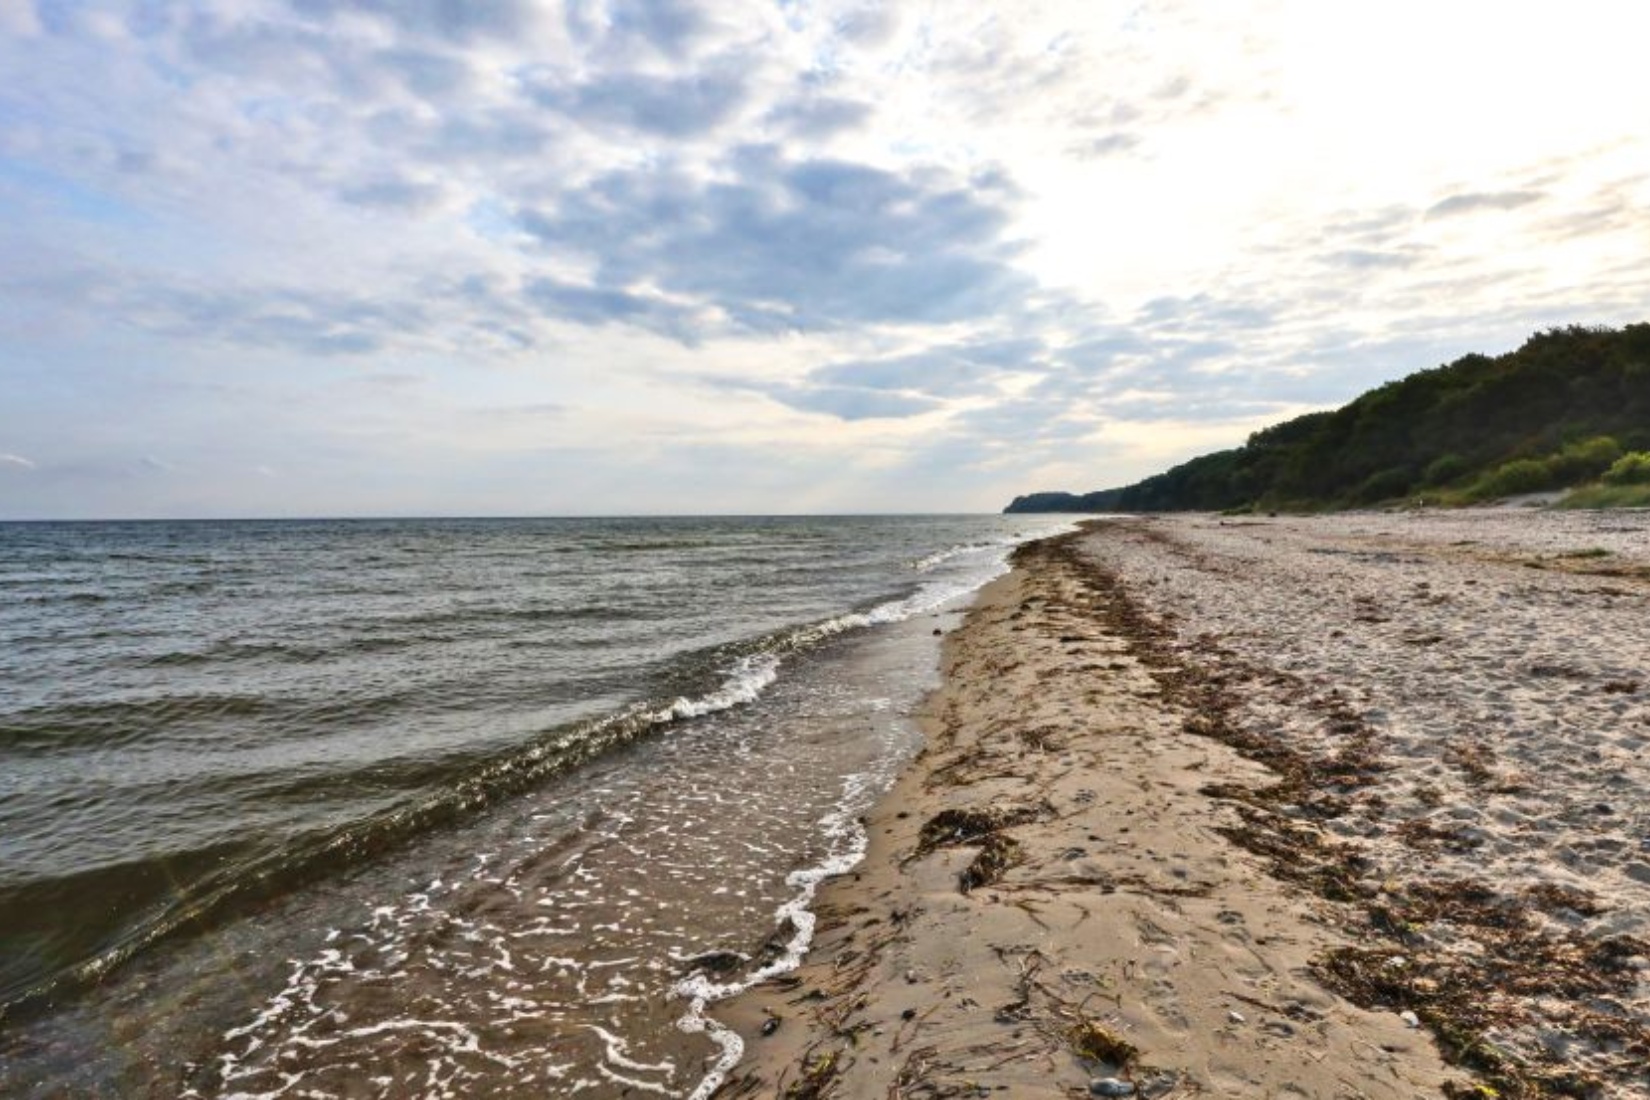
981 829
1515 981
1464 996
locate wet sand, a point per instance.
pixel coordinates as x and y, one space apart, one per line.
1315 807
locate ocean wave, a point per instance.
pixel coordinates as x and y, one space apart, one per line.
746 681
940 557
111 723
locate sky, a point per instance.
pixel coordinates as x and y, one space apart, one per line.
509 257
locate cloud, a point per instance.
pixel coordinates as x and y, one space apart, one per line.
873 25
815 118
950 371
16 462
671 28
813 244
1178 312
1109 145
847 403
312 323
592 305
902 386
965 241
463 20
663 106
537 411
475 137
397 194
1365 259
1472 202
427 73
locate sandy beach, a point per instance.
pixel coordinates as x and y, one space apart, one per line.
1345 806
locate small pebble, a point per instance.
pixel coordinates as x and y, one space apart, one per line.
1410 1019
1110 1086
1234 1017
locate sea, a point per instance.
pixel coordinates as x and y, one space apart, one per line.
440 808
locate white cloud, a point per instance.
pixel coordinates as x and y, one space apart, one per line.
722 233
17 461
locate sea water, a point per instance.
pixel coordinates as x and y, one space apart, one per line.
439 807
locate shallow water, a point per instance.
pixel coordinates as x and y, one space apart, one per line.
442 807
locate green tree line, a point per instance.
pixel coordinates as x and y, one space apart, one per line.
1569 407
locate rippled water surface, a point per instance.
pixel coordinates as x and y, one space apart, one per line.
454 807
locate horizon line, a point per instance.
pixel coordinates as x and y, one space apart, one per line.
474 517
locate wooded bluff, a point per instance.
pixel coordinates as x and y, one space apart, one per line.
1571 407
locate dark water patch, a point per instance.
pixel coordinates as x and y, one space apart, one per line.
241 651
67 597
68 727
186 588
51 930
193 891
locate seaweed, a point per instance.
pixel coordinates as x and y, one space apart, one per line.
819 1074
951 827
1100 1044
1514 973
1464 998
981 829
997 853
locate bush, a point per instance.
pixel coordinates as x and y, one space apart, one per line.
1521 475
1445 469
1583 461
1384 486
1629 469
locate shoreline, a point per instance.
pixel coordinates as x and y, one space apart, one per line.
1202 810
1107 931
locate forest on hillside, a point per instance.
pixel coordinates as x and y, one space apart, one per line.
1569 408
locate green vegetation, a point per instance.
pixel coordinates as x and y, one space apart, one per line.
1575 464
1631 469
1608 496
1569 408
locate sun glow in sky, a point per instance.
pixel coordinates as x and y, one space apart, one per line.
317 257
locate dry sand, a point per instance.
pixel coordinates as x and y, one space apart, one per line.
1352 806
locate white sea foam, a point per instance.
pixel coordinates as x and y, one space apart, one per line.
754 673
848 843
940 557
746 681
618 1053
